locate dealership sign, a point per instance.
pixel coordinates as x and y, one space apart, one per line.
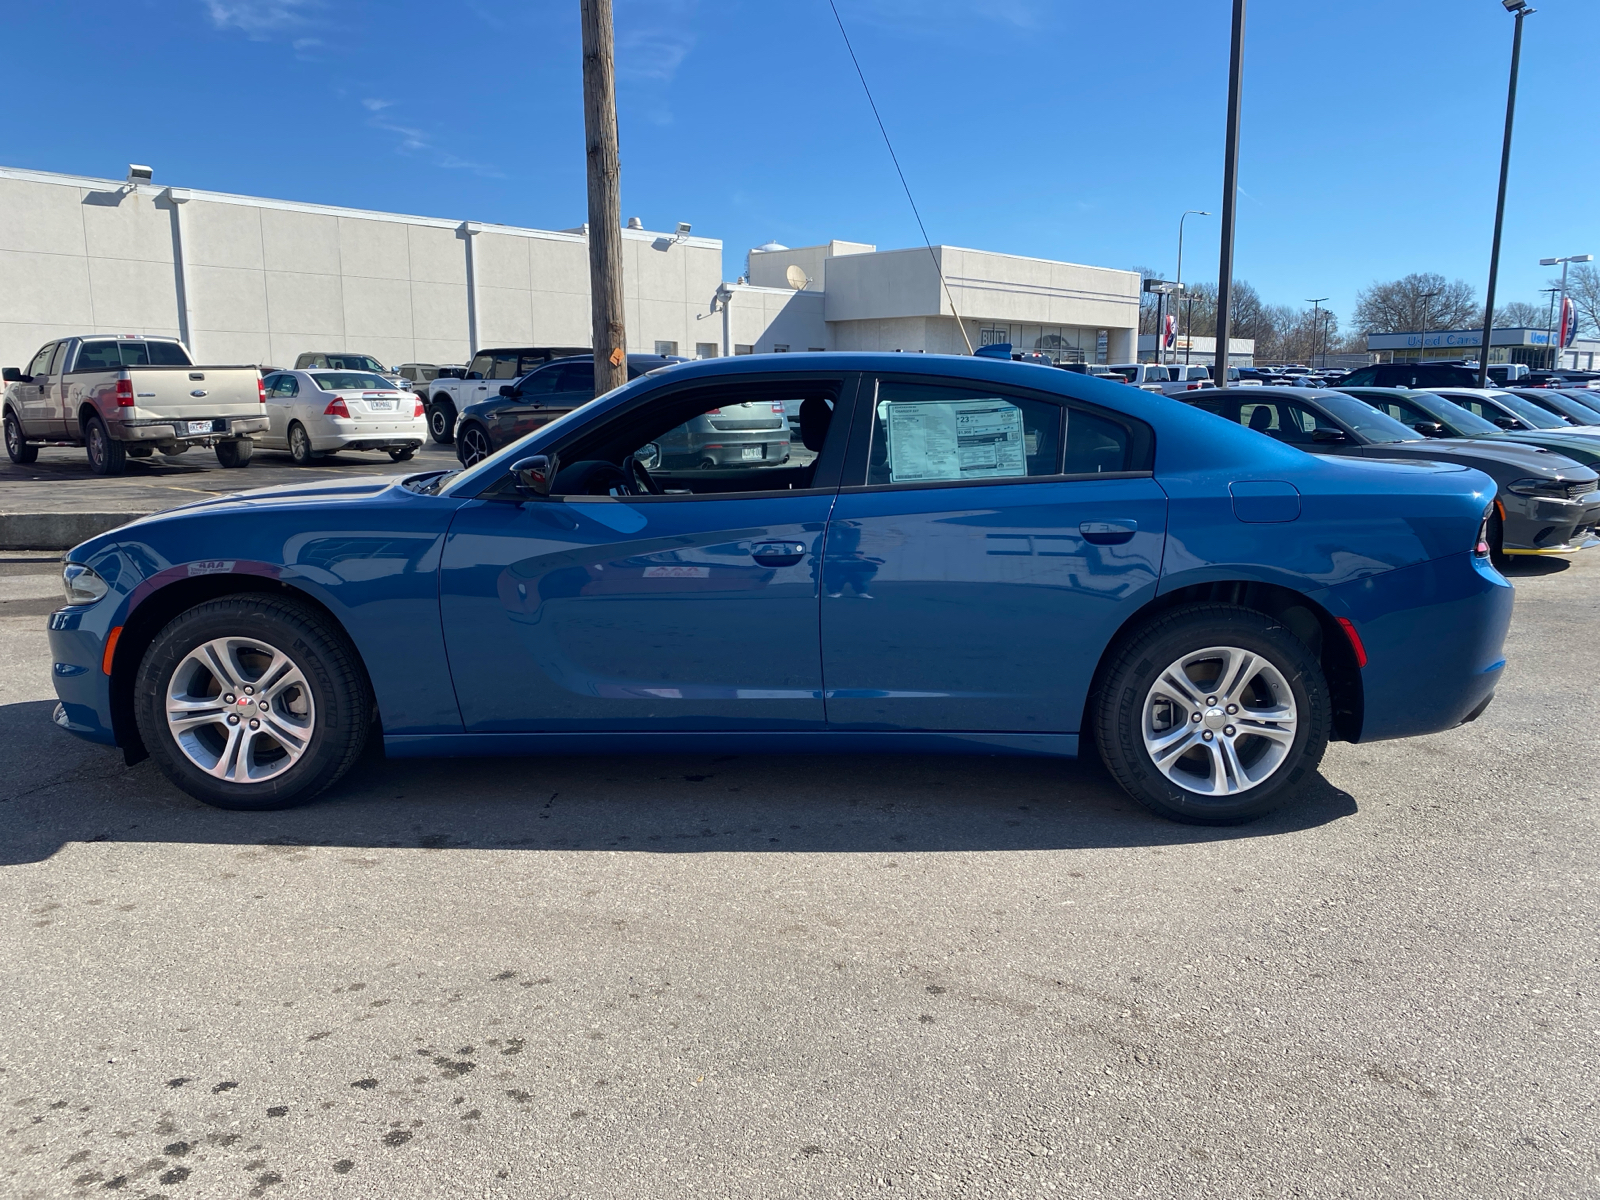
1446 339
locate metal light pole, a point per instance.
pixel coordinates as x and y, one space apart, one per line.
1422 344
1550 318
1518 9
1193 212
1230 188
1316 326
1561 307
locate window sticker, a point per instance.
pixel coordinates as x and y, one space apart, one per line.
955 439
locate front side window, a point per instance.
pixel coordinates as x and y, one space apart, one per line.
481 365
352 362
41 360
540 383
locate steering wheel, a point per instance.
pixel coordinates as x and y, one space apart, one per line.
640 482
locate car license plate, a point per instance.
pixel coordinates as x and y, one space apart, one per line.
750 452
381 405
200 426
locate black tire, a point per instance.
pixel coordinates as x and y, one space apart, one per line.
235 453
17 448
341 702
106 457
300 446
1130 680
404 455
442 420
1498 558
474 445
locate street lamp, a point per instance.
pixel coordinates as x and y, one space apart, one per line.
1422 343
1193 212
1561 338
1518 9
1316 326
1230 188
1550 320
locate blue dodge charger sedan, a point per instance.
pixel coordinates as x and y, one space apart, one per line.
968 555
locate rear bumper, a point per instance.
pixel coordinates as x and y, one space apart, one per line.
146 430
338 434
1434 635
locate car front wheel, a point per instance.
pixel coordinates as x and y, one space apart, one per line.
252 702
1213 715
473 446
17 448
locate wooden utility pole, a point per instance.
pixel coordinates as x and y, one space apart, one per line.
605 196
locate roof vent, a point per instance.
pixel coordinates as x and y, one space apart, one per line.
635 223
770 247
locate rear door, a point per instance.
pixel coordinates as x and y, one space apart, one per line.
985 545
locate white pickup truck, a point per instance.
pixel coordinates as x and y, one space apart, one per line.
490 370
129 396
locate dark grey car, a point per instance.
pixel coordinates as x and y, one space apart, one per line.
755 433
1547 504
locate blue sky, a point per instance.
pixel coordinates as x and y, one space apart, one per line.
1068 130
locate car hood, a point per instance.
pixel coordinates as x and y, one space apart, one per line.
1511 460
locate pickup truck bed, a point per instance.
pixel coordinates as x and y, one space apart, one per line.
130 397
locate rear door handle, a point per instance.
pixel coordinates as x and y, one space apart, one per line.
778 554
1108 533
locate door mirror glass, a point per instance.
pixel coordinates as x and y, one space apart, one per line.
648 455
534 474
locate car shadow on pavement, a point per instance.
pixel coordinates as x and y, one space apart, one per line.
1529 567
59 790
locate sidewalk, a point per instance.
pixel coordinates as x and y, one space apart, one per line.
57 502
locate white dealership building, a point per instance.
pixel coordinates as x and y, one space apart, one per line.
244 279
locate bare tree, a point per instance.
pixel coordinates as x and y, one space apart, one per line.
1147 300
1398 306
1519 314
1583 289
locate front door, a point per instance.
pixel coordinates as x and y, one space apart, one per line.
992 545
597 608
30 396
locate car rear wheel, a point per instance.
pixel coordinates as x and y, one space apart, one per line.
402 455
106 456
235 453
17 448
442 421
1213 715
300 446
252 702
473 446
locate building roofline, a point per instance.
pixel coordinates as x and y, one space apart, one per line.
330 210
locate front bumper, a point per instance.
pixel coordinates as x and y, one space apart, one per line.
1542 525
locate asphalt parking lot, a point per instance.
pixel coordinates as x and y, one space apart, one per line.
742 977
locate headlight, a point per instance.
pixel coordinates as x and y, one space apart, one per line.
81 584
1548 489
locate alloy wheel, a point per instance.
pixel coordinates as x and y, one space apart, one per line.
240 709
1219 721
474 447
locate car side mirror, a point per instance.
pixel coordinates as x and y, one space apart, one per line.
534 474
474 375
648 456
506 390
1327 435
13 375
1429 428
1508 422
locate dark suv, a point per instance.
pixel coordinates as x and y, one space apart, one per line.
1412 375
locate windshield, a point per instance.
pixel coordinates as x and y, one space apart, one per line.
1581 405
1366 420
355 362
1530 412
351 381
1448 412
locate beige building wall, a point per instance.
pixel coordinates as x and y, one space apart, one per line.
268 280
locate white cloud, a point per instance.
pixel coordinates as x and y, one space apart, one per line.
654 37
260 18
372 105
413 142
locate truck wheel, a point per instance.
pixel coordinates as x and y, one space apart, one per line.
252 702
1213 715
442 420
235 453
300 446
17 448
106 457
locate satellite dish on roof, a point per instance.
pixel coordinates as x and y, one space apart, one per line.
797 277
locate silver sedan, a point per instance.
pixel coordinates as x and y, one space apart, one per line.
318 412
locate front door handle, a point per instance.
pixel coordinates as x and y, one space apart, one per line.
778 554
1108 533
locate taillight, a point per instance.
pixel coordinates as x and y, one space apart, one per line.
715 412
777 406
336 408
261 389
422 410
1355 640
1194 387
124 393
1480 548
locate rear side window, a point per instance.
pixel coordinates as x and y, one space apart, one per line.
576 377
925 433
55 359
505 367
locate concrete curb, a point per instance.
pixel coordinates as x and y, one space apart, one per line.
57 530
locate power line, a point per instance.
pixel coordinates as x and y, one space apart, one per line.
895 158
